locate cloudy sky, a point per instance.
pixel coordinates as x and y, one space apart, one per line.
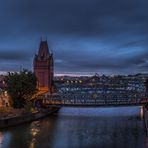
86 36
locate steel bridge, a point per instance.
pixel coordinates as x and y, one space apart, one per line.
93 102
94 99
78 95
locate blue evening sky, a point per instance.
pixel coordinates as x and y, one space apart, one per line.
86 36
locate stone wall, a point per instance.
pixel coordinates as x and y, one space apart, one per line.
12 121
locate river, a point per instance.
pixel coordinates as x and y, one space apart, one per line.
112 127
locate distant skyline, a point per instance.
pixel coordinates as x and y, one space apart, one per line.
86 36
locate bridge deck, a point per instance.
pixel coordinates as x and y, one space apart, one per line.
91 104
95 106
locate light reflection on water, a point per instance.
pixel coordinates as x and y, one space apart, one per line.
1 139
99 112
142 112
113 127
34 132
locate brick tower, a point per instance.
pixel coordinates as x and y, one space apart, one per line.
43 68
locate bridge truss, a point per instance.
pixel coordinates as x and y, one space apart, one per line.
74 95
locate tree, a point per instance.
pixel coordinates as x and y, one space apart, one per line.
21 87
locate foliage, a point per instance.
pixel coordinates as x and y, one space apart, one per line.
21 86
28 106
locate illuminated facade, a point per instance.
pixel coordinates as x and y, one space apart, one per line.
43 68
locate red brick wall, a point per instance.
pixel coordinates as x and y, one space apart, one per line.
43 71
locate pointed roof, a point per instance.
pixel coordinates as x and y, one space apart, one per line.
43 49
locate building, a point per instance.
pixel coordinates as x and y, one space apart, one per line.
44 68
4 99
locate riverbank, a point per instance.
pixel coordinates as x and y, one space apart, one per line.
21 116
7 112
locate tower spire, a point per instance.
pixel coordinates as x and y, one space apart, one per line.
43 49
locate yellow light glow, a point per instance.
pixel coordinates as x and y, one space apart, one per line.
141 112
80 81
1 139
34 131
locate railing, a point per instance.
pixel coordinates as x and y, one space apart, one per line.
75 102
94 96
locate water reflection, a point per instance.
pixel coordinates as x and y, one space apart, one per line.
1 139
142 112
104 128
42 133
81 128
34 131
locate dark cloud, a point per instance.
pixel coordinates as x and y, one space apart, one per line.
99 35
14 55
